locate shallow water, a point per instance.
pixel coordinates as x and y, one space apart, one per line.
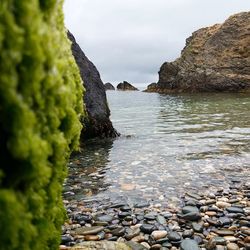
169 145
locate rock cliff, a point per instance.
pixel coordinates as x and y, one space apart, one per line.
216 58
126 86
97 123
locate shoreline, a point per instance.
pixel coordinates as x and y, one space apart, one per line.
219 220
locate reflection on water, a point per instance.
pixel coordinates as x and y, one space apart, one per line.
87 170
170 144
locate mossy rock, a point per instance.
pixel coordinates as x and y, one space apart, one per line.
40 108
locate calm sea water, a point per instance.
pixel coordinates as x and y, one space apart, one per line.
168 145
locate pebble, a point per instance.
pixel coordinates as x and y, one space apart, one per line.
174 236
120 231
197 227
89 230
190 209
192 216
146 245
222 204
232 246
189 244
161 220
105 218
147 228
156 235
214 222
91 237
224 232
211 213
235 210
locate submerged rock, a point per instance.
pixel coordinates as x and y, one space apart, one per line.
126 86
98 123
216 58
109 86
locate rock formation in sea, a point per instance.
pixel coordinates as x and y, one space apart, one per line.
97 123
109 86
216 58
126 86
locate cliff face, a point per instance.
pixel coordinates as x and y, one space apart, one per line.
98 123
216 58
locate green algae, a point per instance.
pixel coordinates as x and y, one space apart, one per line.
40 108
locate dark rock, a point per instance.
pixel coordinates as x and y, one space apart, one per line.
83 217
235 210
197 227
126 86
66 239
174 236
98 123
142 205
147 228
189 244
190 209
125 208
192 216
214 59
124 214
120 231
118 205
109 86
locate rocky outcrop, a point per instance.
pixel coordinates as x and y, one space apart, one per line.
97 123
216 58
109 86
126 86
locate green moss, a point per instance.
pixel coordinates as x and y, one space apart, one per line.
40 108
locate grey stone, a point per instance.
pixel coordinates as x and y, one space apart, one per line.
105 218
174 236
197 227
89 230
192 216
190 209
235 210
189 244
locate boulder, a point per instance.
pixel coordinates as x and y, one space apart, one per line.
109 86
215 59
97 123
124 86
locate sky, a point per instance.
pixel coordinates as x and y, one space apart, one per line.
130 39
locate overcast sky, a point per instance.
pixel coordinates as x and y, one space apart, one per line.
130 39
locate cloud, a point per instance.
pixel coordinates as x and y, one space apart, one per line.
129 40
